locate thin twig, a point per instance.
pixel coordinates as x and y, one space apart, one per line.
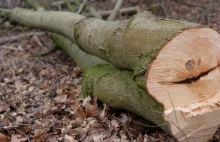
23 134
190 4
19 48
151 126
164 9
38 41
12 127
90 2
19 37
115 11
28 93
81 7
125 128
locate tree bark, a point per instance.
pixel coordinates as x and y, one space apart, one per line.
106 82
172 74
82 59
128 44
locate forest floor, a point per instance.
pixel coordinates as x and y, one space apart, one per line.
39 95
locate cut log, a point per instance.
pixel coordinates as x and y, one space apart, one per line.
180 60
185 78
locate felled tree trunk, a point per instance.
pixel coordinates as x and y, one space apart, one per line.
172 67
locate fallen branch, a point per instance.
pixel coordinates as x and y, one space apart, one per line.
90 9
82 6
115 11
190 4
19 37
128 10
57 3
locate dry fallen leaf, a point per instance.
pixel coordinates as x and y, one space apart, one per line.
140 138
61 99
124 138
38 132
3 138
52 138
114 125
80 113
60 89
74 104
68 138
92 111
18 138
98 138
44 85
88 126
4 107
124 118
20 86
103 113
49 72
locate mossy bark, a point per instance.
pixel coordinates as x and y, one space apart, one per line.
118 90
130 44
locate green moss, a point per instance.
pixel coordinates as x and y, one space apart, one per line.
119 90
93 75
110 50
144 60
57 41
141 82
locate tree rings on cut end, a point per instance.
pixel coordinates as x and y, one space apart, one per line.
185 78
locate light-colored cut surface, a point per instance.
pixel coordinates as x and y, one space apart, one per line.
185 78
